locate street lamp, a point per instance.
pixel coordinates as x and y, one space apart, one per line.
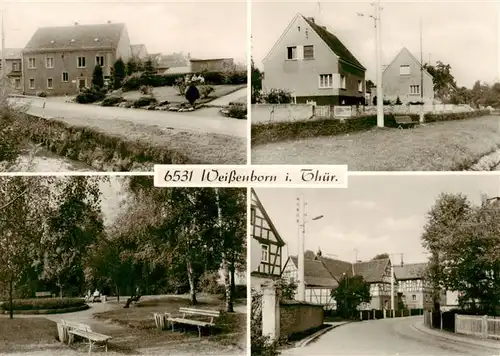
301 285
378 50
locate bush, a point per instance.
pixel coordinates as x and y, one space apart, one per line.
144 101
41 94
209 283
181 85
237 78
132 82
112 100
206 90
90 95
146 89
192 94
43 303
215 78
277 96
455 116
237 110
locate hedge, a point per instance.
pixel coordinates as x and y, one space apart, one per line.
43 303
281 131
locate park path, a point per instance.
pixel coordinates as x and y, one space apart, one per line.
237 96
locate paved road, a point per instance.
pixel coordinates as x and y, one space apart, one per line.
203 121
239 95
387 337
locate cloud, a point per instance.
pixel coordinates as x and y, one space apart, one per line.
405 223
363 204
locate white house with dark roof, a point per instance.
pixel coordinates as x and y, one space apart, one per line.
314 65
415 291
403 78
60 60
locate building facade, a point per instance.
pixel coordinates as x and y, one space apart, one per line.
139 52
314 65
61 60
13 70
403 78
415 290
266 246
212 65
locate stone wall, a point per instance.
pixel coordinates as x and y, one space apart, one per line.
297 317
269 113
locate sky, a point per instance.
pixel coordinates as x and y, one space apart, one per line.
375 214
202 29
462 34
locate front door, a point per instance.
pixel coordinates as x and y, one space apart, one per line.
82 83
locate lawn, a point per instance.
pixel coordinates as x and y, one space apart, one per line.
26 334
140 332
440 146
170 94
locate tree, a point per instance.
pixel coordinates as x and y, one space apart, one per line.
398 101
118 73
443 80
381 256
74 226
148 68
192 94
133 66
97 77
25 202
370 84
256 79
351 292
465 257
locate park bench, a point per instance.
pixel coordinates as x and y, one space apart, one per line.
191 312
404 121
43 294
84 331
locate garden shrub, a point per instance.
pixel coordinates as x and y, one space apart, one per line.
237 110
181 85
206 90
144 101
132 82
236 78
41 94
192 94
146 89
277 96
209 283
455 116
43 303
214 78
112 100
90 95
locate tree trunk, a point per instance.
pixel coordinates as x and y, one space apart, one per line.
232 269
227 287
117 293
192 287
11 306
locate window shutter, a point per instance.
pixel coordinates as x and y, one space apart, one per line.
300 52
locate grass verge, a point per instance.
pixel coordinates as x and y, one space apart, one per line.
23 334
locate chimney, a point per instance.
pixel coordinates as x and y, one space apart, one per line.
311 19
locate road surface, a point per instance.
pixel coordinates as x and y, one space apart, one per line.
388 337
205 121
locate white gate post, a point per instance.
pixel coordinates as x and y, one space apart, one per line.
270 312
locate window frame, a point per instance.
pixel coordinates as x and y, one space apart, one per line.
327 75
264 248
29 83
404 66
52 82
304 52
47 62
62 77
31 59
84 62
288 51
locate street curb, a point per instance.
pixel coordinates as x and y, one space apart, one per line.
482 343
313 337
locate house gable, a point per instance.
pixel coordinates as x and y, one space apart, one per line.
408 56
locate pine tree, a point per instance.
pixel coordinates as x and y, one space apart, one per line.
97 77
118 73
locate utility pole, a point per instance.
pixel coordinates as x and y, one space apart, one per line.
380 94
393 281
3 48
301 285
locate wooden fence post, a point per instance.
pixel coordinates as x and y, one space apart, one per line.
484 326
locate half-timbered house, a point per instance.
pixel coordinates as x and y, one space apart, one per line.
266 246
416 292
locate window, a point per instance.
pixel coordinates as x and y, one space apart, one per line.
65 77
309 52
291 53
49 62
360 86
32 83
264 253
414 297
414 89
342 82
99 60
326 80
17 83
404 69
31 63
81 62
16 67
50 83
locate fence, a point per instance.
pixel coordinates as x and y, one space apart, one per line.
482 326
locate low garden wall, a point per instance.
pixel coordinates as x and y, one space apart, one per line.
101 151
297 317
274 113
281 131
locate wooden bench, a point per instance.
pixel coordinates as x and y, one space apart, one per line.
43 294
403 121
184 320
84 331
